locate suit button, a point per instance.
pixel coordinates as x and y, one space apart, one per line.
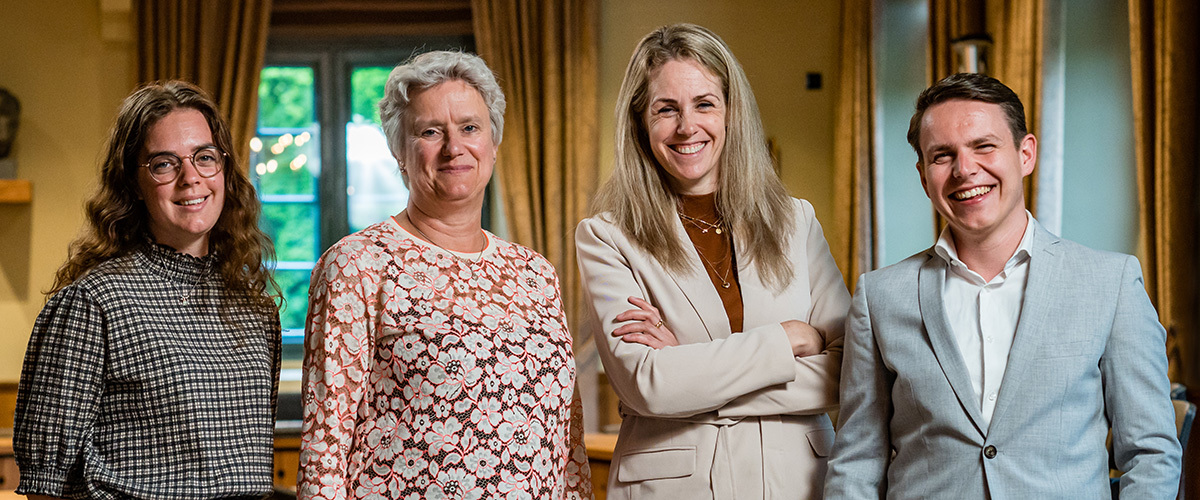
989 451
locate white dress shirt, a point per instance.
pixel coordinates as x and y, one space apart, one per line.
983 314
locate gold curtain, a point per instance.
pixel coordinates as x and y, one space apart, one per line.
216 44
1016 27
1166 73
545 54
852 243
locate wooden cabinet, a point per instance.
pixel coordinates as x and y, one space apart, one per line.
600 452
9 474
287 461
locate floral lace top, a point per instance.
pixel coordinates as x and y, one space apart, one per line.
434 375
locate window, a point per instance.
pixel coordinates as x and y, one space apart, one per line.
319 159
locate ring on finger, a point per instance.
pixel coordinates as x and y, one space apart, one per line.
659 324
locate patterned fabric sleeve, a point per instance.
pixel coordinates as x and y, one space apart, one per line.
578 477
338 350
61 381
579 474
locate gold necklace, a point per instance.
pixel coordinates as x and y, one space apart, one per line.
724 279
698 221
470 262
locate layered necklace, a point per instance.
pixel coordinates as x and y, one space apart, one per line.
704 227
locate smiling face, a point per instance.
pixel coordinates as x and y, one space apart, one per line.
972 169
685 122
451 154
184 211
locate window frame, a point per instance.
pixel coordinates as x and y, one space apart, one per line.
333 63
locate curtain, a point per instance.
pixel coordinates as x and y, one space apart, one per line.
216 44
545 54
1016 27
1164 43
852 243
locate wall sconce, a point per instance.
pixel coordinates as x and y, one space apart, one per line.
972 53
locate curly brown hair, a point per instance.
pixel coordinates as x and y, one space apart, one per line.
118 221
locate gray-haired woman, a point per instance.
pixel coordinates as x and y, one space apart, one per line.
437 358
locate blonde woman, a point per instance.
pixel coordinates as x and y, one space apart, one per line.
715 301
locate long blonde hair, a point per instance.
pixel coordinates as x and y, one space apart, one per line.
750 197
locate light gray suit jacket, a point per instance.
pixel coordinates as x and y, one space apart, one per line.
1088 351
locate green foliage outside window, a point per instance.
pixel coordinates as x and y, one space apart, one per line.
286 97
295 289
286 166
285 161
367 89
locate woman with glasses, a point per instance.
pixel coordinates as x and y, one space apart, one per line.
152 370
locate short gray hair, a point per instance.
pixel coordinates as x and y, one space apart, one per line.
430 69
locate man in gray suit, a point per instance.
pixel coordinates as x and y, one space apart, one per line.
993 364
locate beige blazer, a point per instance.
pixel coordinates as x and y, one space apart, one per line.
724 414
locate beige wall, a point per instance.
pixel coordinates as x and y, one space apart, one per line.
70 64
778 42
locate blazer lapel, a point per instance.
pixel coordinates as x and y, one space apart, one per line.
757 299
945 348
1035 307
698 289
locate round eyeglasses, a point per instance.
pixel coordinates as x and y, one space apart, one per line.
165 167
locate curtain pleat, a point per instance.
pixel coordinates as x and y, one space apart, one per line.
852 242
1016 27
216 44
1164 43
545 54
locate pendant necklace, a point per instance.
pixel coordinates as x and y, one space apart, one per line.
706 224
724 279
187 294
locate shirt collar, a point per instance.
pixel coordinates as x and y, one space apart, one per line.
946 250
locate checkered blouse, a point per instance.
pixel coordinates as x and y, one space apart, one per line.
147 378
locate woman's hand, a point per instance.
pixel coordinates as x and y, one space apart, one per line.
805 339
648 328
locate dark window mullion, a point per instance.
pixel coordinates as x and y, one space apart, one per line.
332 183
